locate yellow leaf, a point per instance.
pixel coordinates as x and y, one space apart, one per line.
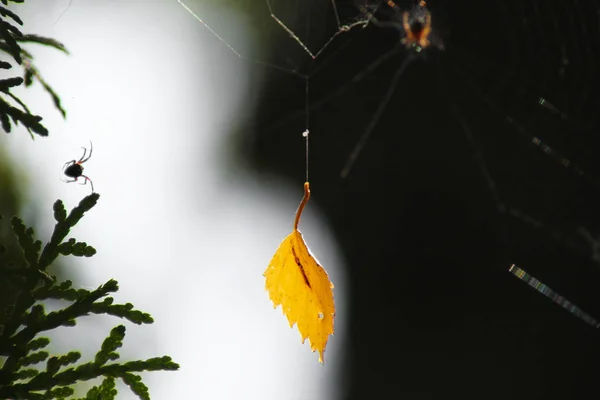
297 282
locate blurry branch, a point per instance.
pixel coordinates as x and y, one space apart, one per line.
12 109
20 343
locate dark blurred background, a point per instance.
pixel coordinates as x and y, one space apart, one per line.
453 186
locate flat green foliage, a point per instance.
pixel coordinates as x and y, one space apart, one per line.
23 374
12 109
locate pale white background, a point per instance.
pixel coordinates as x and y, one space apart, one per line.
145 83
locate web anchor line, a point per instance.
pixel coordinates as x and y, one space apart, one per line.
534 140
341 29
552 295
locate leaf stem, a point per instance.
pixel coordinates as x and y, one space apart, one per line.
302 205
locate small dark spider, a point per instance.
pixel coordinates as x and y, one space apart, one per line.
74 169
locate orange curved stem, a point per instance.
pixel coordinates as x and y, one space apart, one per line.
302 205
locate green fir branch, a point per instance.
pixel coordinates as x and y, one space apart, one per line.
5 12
11 39
21 345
